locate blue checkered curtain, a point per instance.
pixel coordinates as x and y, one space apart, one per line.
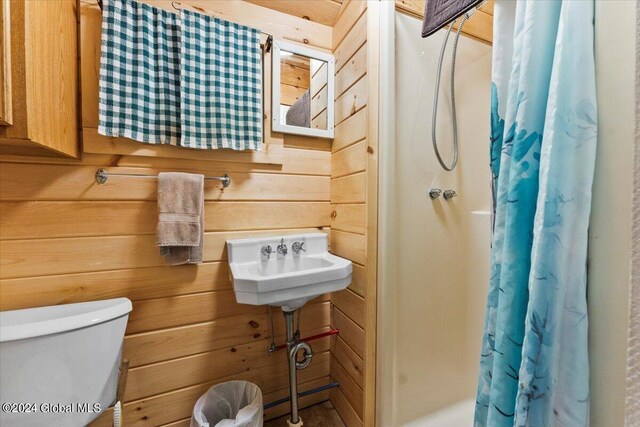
140 73
221 86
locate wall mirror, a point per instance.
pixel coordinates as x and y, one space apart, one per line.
302 93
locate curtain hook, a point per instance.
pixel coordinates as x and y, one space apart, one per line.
173 4
268 43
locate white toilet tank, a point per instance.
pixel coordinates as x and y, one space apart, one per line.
59 365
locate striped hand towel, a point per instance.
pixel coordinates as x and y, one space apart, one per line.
140 73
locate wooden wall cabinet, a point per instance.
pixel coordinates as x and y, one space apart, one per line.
5 64
39 99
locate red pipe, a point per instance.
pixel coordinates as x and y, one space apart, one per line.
313 337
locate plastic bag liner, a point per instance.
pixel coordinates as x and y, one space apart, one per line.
230 404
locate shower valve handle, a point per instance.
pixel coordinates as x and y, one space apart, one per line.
449 194
434 193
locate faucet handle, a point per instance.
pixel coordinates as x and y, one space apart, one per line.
297 247
265 252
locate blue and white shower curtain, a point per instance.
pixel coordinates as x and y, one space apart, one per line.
534 367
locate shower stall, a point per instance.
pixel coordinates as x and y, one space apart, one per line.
436 251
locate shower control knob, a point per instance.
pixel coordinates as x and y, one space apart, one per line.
434 193
449 194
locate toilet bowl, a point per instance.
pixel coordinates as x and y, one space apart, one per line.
59 365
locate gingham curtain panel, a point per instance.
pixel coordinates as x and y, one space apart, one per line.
140 73
190 80
221 84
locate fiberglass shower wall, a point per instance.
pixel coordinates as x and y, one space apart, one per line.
440 251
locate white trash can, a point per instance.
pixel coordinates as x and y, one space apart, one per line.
230 404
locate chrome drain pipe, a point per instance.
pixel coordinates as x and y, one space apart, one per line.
293 347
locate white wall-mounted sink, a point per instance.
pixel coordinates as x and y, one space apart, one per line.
285 280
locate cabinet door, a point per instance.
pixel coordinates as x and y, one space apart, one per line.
5 63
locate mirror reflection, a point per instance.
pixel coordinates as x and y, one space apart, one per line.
303 91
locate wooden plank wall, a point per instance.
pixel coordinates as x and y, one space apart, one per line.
322 11
319 71
354 211
64 239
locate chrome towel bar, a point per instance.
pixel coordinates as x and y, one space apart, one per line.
102 176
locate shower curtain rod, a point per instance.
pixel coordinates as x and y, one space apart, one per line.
267 43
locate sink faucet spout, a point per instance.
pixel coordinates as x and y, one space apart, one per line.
282 248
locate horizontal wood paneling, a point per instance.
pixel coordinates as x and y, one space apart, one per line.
320 121
350 218
289 95
99 144
356 37
353 9
297 141
42 257
349 161
319 79
354 68
87 218
159 313
62 182
295 74
150 347
64 239
319 102
351 304
349 245
301 156
344 408
479 27
350 333
349 189
321 11
348 387
296 161
488 7
135 284
351 130
350 361
359 280
351 101
178 373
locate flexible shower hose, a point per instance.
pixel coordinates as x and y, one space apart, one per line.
454 122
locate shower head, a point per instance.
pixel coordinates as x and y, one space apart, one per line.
439 13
